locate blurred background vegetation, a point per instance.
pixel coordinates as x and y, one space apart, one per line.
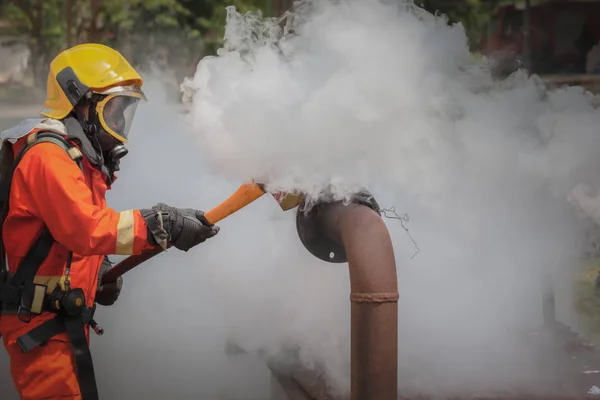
161 32
546 36
158 31
587 301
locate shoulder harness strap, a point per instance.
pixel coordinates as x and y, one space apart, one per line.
32 140
20 290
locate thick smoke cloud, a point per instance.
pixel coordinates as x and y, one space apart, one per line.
387 96
363 94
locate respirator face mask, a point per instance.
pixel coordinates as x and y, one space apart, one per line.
113 117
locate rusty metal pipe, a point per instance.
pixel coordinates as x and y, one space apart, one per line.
357 234
374 299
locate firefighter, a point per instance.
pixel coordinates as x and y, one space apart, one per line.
57 229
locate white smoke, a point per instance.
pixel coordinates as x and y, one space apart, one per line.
387 96
363 94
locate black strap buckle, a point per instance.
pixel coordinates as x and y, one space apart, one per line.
24 314
11 296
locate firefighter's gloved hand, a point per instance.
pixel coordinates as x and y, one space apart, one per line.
184 227
107 294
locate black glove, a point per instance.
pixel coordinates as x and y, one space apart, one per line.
184 227
107 295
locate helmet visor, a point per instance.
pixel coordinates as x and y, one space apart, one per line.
116 114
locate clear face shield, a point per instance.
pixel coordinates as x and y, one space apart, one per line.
117 110
115 113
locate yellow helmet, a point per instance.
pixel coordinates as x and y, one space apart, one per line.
89 68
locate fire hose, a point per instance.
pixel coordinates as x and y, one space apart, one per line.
244 195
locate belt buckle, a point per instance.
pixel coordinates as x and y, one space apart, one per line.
24 310
21 311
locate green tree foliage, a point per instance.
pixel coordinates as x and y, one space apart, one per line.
174 32
40 22
162 32
473 14
587 299
152 31
209 17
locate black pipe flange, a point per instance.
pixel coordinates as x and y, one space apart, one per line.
315 235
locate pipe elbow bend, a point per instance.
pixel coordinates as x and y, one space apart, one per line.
314 226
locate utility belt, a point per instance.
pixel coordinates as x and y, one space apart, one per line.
72 316
70 303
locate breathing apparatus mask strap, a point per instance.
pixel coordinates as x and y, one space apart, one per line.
109 150
109 119
113 114
90 129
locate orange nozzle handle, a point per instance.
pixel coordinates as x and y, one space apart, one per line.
245 195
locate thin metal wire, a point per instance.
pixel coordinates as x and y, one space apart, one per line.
402 218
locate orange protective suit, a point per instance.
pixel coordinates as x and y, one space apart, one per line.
49 188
